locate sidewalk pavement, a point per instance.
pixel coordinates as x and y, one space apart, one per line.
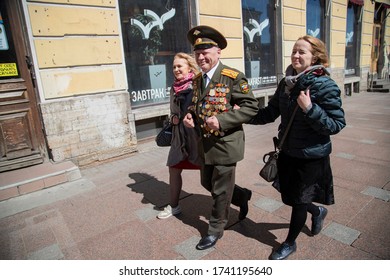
110 213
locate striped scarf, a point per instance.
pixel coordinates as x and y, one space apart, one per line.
180 85
291 80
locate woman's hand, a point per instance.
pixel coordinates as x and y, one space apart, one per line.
175 120
188 121
304 100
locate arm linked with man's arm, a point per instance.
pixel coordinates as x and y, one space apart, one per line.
246 102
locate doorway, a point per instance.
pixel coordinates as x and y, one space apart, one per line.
22 141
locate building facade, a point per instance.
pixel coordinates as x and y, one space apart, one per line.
86 80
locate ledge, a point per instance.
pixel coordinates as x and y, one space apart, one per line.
349 80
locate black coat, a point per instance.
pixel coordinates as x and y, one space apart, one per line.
309 135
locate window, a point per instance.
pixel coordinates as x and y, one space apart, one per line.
315 18
8 62
352 38
153 31
259 42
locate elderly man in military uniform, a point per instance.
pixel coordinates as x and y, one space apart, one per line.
222 102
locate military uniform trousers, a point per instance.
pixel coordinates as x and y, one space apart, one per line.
219 181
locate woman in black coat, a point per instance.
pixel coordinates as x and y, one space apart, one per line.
304 171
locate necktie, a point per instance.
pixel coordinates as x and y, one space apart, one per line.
205 81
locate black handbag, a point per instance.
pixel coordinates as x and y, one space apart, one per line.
164 137
269 172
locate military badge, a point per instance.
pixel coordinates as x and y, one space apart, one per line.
244 87
230 73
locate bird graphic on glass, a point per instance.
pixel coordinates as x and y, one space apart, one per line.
156 21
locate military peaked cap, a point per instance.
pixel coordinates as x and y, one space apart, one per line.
205 37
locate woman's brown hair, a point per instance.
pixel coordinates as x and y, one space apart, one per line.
318 50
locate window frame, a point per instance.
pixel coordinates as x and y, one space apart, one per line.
357 27
326 22
145 86
275 40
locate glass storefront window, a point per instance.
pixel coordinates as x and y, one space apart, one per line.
351 40
259 42
153 31
8 62
315 18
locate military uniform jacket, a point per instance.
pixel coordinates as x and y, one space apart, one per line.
226 88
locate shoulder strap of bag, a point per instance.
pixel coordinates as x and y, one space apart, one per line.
279 147
288 128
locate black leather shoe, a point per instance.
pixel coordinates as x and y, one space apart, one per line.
318 222
208 241
244 204
283 251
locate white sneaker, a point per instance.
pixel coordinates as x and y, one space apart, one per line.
169 211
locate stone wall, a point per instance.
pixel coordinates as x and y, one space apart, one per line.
88 128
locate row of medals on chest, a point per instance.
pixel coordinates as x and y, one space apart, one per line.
215 102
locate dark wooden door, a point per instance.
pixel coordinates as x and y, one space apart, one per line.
21 136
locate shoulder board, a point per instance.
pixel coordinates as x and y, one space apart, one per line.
230 73
197 76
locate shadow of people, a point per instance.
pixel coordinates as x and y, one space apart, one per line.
154 191
196 209
261 232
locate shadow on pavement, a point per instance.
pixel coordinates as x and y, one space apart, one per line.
196 209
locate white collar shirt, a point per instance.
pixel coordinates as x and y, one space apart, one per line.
210 74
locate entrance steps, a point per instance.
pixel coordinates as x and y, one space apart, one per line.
33 178
380 85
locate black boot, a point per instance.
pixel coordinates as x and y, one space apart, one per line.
240 198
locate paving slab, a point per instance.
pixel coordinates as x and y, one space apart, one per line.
341 233
377 193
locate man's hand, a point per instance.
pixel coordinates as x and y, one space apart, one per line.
188 121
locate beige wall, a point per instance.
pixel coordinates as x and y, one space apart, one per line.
337 34
78 48
226 18
293 26
367 28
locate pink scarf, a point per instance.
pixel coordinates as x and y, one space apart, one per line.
184 84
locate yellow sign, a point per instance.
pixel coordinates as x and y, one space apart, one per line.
8 69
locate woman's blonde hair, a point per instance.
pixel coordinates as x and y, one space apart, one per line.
318 50
190 60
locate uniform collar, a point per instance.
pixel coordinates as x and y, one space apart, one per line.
210 74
